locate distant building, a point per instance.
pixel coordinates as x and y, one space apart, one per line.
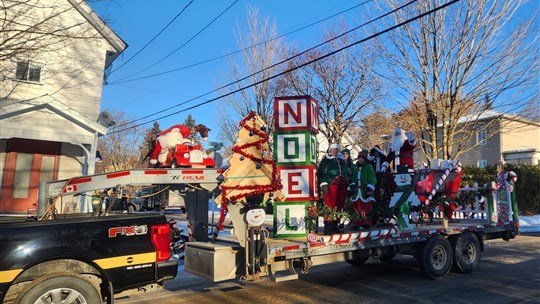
497 137
505 137
346 142
50 105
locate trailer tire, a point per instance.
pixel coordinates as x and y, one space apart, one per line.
388 254
467 252
435 257
358 262
63 287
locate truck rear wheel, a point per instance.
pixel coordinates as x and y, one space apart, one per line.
435 257
467 252
59 289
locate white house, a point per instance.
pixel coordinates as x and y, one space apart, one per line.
346 142
50 99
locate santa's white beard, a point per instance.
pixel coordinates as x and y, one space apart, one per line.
397 142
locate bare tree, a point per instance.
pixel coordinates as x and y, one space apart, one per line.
344 84
35 33
121 150
266 51
373 129
460 62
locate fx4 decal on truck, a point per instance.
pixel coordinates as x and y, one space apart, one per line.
128 230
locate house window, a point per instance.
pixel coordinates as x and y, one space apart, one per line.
28 71
482 163
481 137
21 180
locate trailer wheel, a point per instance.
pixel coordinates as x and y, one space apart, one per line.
357 262
435 257
60 289
467 252
388 253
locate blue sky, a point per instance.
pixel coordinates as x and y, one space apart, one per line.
138 21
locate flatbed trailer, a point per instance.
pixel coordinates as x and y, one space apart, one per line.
438 247
252 252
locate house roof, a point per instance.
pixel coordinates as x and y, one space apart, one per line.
11 108
491 114
114 40
520 150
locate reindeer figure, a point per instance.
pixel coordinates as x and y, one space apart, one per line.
203 131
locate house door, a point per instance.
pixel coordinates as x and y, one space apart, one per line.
22 174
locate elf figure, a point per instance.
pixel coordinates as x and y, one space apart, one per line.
333 177
353 173
363 202
377 157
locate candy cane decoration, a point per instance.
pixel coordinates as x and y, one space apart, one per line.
440 182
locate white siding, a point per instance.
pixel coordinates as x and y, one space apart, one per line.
72 71
45 125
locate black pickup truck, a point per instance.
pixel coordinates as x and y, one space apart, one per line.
82 259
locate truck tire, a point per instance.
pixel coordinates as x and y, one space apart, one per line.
435 257
467 252
59 288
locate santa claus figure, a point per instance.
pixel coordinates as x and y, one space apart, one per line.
168 139
401 151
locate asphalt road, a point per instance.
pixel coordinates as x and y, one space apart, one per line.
509 272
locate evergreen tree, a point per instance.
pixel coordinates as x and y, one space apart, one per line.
148 140
191 123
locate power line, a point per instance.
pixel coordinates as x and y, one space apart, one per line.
184 44
154 38
300 66
241 50
275 64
